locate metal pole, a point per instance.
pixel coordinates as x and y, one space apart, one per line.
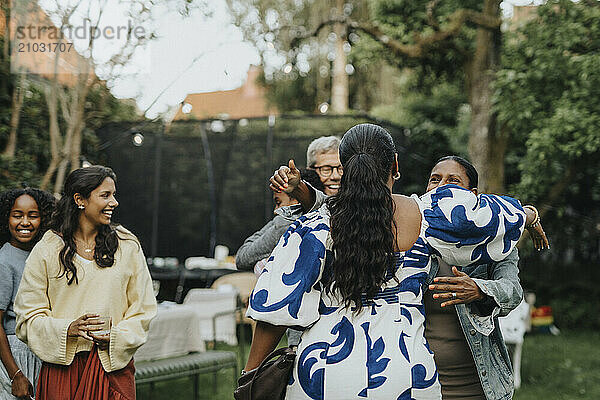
211 191
156 192
268 166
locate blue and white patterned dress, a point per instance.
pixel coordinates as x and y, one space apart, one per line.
381 352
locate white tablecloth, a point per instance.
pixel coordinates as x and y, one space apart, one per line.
207 303
174 331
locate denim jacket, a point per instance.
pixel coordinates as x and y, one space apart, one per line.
479 322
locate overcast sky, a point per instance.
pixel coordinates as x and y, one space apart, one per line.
195 53
192 54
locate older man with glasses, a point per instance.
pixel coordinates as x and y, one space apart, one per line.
322 156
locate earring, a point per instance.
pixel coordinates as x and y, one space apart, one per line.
397 176
81 206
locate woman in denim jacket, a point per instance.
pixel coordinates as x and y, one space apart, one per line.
463 308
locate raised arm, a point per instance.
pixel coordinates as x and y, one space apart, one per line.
287 179
467 229
534 227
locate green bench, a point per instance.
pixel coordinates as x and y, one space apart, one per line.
193 365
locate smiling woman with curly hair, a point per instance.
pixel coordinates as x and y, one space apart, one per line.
25 217
45 202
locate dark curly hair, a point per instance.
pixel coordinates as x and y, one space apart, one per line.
45 202
362 216
65 220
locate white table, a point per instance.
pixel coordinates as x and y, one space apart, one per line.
215 303
175 331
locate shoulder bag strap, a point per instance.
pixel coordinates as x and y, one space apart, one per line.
274 354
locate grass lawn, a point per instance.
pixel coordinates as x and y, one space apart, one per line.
560 367
182 389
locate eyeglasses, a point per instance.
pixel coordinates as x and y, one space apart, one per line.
326 170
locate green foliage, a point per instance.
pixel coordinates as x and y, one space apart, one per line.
33 147
548 93
436 122
18 171
293 92
570 310
548 97
403 19
102 107
32 155
437 111
274 27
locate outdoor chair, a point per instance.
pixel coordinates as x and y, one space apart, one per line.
513 328
244 283
218 308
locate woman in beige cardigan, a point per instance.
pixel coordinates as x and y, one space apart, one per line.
86 300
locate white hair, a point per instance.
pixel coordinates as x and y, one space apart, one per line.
322 145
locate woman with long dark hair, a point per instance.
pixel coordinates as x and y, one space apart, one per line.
86 299
352 275
25 216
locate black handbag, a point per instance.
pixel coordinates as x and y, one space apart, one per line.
269 381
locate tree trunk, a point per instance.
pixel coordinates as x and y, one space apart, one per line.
339 83
60 175
6 11
54 131
557 190
17 104
66 151
487 145
49 173
78 115
65 157
76 147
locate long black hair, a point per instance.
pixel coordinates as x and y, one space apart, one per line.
45 202
468 167
362 216
65 220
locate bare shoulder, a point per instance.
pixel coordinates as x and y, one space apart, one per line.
408 220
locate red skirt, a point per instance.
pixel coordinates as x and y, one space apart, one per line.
85 379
